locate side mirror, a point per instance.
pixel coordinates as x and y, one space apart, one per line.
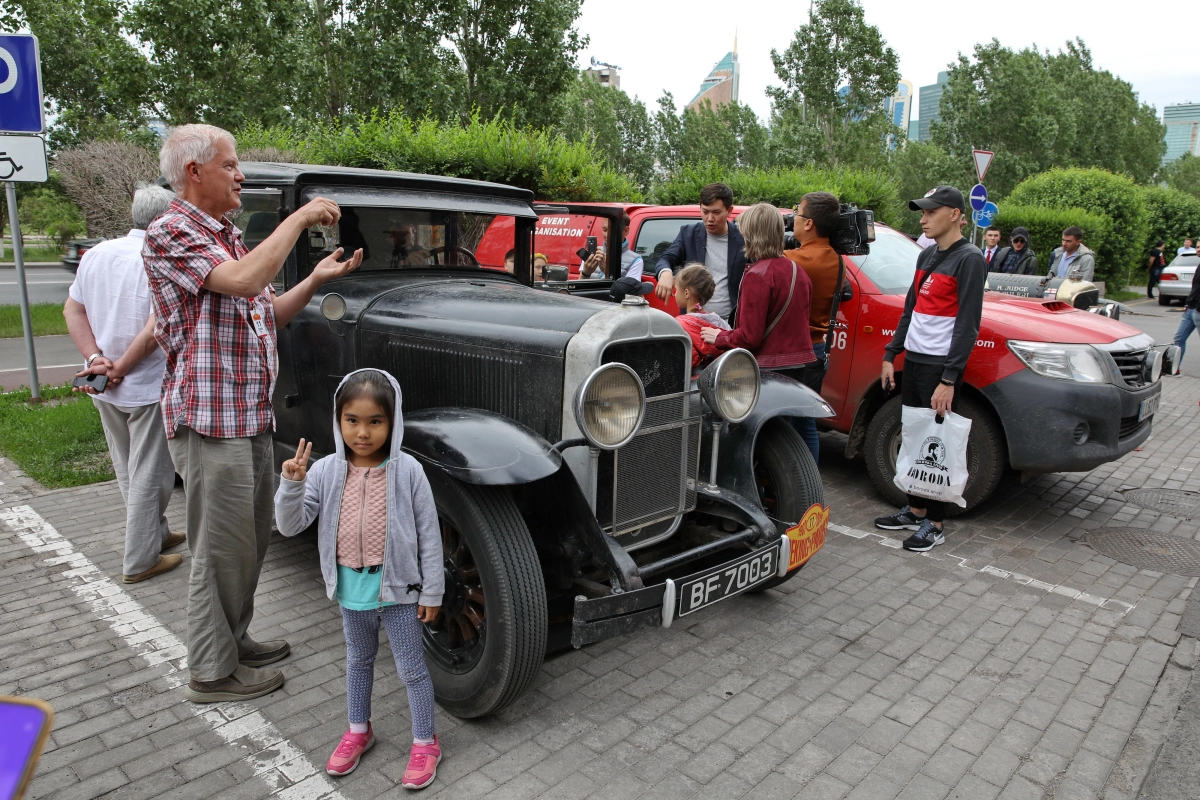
847 291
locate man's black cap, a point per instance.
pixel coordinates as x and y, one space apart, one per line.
940 196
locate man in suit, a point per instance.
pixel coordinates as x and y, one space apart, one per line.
991 244
714 242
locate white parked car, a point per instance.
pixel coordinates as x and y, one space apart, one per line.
1176 280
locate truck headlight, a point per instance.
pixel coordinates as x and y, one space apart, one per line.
1070 362
609 406
730 385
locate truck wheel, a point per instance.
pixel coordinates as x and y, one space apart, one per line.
986 459
787 477
487 645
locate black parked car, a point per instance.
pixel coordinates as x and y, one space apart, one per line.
75 250
588 486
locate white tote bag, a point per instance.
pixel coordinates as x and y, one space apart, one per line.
933 455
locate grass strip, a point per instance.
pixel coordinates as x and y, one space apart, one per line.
58 442
33 254
47 320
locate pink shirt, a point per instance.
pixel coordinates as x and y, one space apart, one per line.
362 526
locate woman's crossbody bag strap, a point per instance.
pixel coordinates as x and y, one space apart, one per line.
786 303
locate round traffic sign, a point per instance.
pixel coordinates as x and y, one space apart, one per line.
985 215
978 197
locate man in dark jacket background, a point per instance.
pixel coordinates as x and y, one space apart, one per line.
716 243
1017 259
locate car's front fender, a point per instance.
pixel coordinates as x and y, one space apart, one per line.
479 447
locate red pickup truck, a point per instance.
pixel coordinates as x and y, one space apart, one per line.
1049 388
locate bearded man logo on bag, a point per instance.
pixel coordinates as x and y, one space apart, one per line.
933 454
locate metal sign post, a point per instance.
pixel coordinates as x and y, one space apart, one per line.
22 158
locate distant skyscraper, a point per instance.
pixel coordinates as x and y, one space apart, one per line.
604 74
899 109
914 130
931 98
1183 130
721 85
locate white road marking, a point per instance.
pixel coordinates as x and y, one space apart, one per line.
284 767
1024 580
40 366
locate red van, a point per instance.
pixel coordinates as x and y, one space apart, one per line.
1049 388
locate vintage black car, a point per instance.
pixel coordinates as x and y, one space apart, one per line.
588 486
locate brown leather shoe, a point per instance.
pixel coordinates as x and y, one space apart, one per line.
165 564
244 684
262 653
173 539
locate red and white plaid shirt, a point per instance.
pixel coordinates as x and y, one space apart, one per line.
220 371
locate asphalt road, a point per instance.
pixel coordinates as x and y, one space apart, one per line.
45 284
57 359
1161 322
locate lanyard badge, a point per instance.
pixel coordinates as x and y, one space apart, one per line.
258 317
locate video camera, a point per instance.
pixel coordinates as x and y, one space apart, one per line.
855 231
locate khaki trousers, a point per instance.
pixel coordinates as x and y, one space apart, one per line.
137 446
229 493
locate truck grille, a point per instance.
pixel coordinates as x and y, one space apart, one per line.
653 478
1131 425
1130 365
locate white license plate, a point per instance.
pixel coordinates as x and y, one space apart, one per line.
1148 407
727 580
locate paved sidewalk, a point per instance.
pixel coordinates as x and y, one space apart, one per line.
1015 662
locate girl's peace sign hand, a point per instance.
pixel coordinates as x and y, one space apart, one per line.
296 469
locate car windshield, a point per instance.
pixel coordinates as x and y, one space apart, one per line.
1185 261
892 262
403 238
655 236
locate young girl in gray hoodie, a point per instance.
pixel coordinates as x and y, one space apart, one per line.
381 556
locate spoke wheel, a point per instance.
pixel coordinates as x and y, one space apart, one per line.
456 639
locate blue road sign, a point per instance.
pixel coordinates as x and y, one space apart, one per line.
984 216
20 84
978 197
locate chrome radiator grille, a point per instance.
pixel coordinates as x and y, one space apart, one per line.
653 478
1130 365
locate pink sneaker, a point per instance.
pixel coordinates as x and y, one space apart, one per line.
349 751
422 765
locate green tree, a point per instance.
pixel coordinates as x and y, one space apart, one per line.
617 124
516 56
1037 111
97 83
1183 174
836 74
728 135
48 210
917 167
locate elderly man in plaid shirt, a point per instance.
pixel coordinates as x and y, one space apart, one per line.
216 316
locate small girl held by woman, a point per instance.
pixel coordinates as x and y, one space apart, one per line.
694 286
381 556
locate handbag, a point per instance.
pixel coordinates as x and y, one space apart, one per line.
933 455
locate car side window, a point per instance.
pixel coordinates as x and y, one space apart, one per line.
258 218
655 236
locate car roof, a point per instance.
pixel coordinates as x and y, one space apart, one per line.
309 174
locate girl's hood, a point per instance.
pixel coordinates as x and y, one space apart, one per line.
339 444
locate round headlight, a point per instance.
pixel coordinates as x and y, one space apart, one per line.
610 405
333 306
1152 367
730 385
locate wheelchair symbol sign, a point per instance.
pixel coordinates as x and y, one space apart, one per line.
20 85
23 159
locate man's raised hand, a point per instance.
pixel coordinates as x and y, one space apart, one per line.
296 469
330 268
319 211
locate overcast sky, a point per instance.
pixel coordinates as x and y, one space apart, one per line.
673 45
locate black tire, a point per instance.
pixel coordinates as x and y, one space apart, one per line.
485 649
986 453
1163 300
787 477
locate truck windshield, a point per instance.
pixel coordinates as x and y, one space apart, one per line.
403 238
892 263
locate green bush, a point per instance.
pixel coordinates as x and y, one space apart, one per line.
1174 216
496 150
785 187
1046 225
1100 192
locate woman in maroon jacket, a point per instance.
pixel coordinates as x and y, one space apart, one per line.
774 299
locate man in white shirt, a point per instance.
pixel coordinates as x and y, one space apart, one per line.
108 313
1187 249
991 245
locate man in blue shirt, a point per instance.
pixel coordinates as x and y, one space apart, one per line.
1073 254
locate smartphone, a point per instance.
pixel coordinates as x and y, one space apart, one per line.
582 253
24 727
96 382
591 244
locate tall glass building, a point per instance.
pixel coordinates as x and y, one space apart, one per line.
721 85
931 99
899 109
1183 130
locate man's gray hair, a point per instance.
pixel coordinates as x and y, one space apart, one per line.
186 144
148 203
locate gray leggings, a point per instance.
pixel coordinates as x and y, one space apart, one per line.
362 642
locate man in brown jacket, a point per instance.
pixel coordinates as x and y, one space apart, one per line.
816 221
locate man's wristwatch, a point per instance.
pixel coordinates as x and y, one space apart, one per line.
88 362
945 382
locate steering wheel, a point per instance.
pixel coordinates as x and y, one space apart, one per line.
434 251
